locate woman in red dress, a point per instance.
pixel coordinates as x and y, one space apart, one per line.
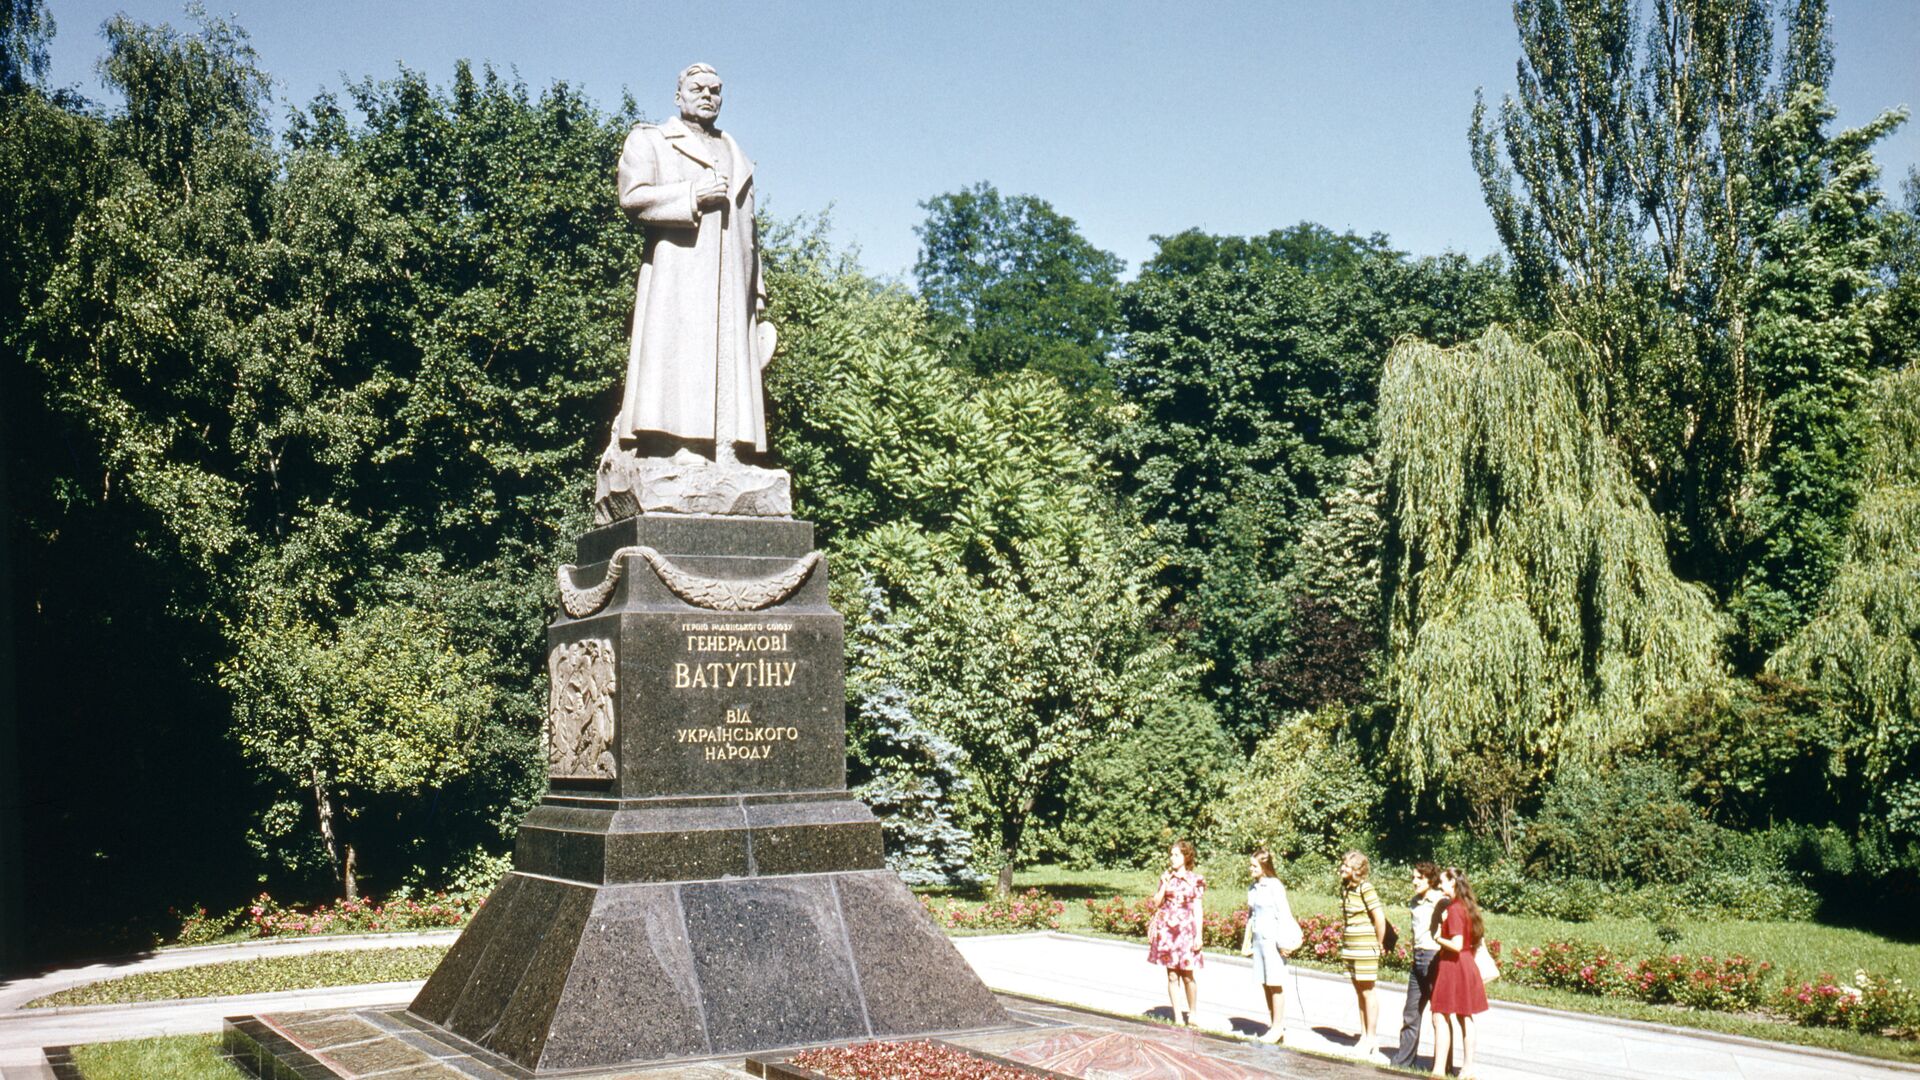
1459 994
1173 937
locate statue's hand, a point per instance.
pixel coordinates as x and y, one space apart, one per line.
712 194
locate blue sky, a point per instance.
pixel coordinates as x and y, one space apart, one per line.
1134 118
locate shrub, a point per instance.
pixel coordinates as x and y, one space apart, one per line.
1874 1004
1305 791
1630 823
1717 894
1132 796
1320 936
1580 966
1121 916
1022 911
1223 931
1506 888
270 918
199 928
1731 984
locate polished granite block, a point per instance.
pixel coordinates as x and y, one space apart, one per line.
633 994
715 838
911 976
504 963
522 1031
449 980
772 961
721 891
690 534
576 976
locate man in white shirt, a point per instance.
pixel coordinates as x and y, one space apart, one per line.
1426 897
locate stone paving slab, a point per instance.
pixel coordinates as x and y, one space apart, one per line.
380 1044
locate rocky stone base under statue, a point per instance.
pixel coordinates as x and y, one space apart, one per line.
628 483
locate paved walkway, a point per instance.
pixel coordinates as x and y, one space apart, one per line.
1518 1042
24 1031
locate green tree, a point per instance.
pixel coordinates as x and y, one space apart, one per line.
1028 664
1017 286
1308 246
1815 304
1018 607
1531 610
383 705
1669 191
349 372
1245 392
1863 645
1306 791
1899 331
1130 797
25 29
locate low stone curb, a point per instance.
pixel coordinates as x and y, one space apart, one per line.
402 990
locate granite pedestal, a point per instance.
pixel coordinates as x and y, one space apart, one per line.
697 881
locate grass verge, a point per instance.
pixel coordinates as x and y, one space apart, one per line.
176 1057
261 975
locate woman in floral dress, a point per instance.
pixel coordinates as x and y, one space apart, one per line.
1173 937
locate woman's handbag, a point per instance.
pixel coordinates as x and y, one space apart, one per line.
1288 936
1389 939
1483 960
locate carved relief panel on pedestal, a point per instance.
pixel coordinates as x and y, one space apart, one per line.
580 711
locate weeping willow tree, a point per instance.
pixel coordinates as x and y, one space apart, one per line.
1864 644
1531 611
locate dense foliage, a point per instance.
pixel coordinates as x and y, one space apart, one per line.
1579 565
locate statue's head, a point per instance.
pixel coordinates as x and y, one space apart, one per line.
698 95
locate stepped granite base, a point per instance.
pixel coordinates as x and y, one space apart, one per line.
697 880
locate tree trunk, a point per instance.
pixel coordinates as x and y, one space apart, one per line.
1010 832
352 868
323 805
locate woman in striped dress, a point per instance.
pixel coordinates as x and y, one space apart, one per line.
1363 927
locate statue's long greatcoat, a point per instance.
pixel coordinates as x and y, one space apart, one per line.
700 288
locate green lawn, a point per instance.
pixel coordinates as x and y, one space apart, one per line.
258 976
175 1057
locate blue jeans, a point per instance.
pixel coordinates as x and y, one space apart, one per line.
1419 989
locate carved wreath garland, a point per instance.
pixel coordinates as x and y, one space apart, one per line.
718 594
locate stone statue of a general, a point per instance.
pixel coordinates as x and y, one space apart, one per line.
699 345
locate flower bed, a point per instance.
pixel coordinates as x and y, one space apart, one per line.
1873 1004
1579 966
1223 931
268 918
272 919
907 1060
1023 911
1121 916
1700 982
